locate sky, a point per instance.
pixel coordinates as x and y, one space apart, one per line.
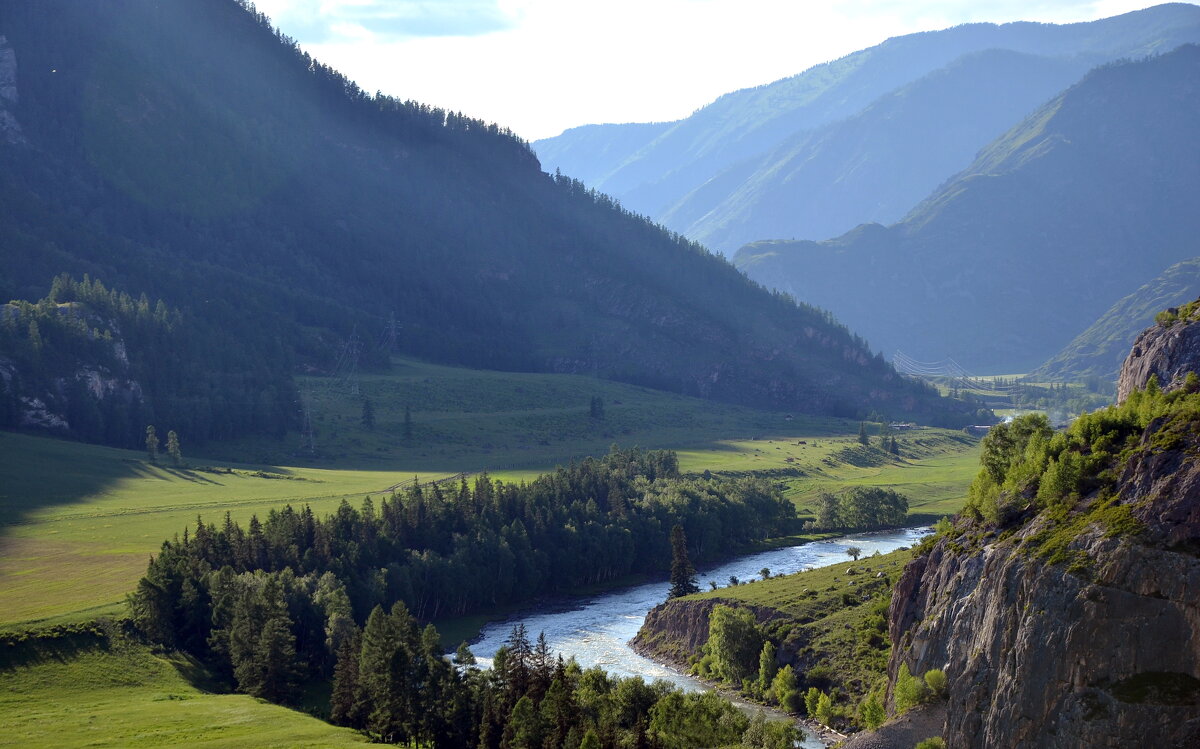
542 66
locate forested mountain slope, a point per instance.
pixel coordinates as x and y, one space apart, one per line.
1002 266
186 151
1099 350
725 150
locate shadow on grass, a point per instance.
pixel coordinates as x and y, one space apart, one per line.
38 473
60 644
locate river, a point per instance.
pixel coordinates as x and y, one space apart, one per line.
597 630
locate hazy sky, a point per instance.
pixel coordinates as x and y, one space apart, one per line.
541 66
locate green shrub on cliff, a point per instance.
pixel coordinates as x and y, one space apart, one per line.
1029 468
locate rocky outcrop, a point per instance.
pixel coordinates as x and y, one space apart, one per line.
1103 651
1168 350
677 629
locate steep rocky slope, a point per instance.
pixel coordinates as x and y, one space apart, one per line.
1169 350
1072 617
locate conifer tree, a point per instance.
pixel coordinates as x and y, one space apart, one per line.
683 574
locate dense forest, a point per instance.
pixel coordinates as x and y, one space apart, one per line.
296 597
190 152
103 366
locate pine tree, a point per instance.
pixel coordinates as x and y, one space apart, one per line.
408 427
151 444
862 433
173 449
683 574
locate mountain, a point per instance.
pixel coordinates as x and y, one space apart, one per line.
188 152
1076 544
875 165
1098 351
733 154
1000 267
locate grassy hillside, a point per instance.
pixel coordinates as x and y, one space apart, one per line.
828 623
78 522
469 419
102 692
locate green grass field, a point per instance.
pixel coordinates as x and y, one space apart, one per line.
78 522
113 693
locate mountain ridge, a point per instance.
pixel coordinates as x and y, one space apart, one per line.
652 167
1087 195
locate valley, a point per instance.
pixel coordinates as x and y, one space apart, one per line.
331 417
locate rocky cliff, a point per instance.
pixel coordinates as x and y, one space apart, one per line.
1076 621
1168 350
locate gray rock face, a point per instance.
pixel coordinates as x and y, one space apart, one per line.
1169 351
1043 655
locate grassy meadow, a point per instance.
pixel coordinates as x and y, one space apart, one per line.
78 522
110 692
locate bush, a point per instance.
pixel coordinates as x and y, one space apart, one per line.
934 742
935 679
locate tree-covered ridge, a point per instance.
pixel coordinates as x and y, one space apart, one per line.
99 365
189 151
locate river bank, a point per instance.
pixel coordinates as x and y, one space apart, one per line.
596 630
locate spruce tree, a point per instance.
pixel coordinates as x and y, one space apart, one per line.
408 429
683 574
862 433
368 414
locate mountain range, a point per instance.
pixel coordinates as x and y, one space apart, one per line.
856 140
1087 198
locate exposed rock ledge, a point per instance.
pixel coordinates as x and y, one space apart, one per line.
1168 351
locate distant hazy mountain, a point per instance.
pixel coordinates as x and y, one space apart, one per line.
1100 350
874 166
1095 192
735 170
186 151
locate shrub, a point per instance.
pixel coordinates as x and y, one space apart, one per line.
935 679
935 742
